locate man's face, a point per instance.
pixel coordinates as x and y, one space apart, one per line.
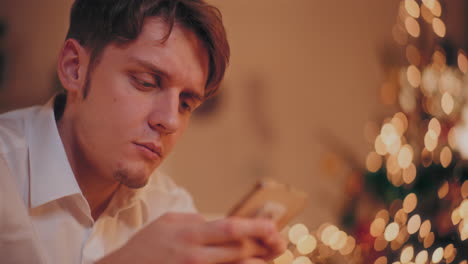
140 100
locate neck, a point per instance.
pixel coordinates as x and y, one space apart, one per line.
96 188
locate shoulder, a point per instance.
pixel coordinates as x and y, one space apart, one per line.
13 129
162 191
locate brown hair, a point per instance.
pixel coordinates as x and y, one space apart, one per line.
97 23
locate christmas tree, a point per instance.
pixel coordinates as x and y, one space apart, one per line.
410 202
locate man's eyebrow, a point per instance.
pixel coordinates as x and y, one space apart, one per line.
150 67
155 70
193 95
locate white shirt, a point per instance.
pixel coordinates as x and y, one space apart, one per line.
44 217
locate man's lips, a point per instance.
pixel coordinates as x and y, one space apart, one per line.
149 149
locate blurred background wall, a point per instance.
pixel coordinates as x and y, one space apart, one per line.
304 78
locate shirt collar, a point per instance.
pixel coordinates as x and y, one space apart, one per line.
51 176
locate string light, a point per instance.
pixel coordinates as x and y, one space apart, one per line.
391 232
421 257
407 254
414 76
443 190
409 203
296 232
445 157
412 27
447 103
413 224
437 255
412 8
462 62
306 244
439 27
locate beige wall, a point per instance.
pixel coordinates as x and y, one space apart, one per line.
297 67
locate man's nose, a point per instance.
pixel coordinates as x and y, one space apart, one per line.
165 116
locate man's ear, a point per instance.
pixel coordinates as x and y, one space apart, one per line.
72 67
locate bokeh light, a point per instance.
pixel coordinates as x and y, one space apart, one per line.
391 232
296 232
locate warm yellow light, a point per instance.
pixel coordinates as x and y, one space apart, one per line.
373 162
412 8
409 174
349 246
430 78
430 140
389 134
451 138
434 125
449 251
286 258
425 228
439 27
413 75
455 217
392 165
409 203
443 190
421 257
383 214
306 244
437 255
328 233
412 55
377 227
399 125
462 61
405 156
463 229
414 223
395 147
426 13
445 157
412 27
429 3
302 260
380 147
296 232
463 209
447 103
401 217
439 60
464 189
391 232
338 240
381 260
407 254
436 9
429 240
380 243
319 231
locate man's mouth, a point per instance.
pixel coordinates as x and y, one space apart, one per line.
150 149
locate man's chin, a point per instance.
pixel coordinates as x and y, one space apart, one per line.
133 180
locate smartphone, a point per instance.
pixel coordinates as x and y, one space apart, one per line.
273 200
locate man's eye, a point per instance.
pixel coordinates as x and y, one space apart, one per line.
144 83
186 106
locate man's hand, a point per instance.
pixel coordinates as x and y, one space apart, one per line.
178 238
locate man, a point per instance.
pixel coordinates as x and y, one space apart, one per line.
77 176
